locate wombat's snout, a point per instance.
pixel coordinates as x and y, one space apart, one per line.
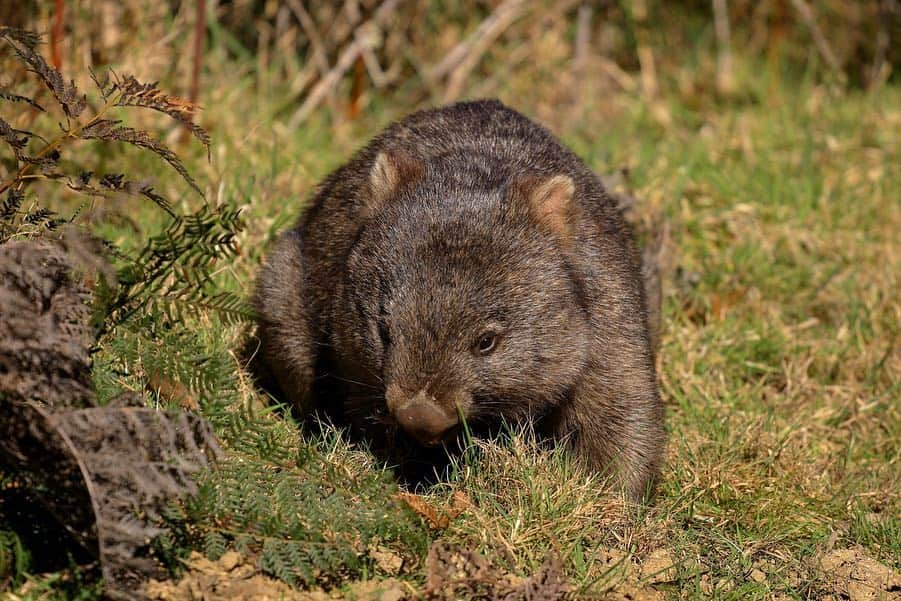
425 421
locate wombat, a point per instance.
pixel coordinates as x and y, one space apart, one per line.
465 265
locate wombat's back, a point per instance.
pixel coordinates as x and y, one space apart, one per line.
479 132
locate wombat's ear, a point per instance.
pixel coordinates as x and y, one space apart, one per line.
391 172
550 202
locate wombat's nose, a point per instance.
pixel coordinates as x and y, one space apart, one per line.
426 422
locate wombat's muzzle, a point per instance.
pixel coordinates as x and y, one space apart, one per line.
425 421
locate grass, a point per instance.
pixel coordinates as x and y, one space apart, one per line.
779 364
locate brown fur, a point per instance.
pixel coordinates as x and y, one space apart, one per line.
456 228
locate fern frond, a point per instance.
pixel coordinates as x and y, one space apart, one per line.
24 43
46 162
117 182
29 39
104 86
7 95
45 217
16 138
147 95
181 301
113 130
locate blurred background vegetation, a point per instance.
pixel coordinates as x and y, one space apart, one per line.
335 55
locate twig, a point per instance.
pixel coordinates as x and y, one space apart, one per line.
379 76
724 74
199 38
616 73
488 30
888 10
366 35
583 37
476 45
326 84
806 14
317 47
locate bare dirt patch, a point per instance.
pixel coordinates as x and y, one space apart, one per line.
233 577
852 574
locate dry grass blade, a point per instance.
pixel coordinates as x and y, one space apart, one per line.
67 94
134 93
111 130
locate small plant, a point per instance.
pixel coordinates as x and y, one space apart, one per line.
13 559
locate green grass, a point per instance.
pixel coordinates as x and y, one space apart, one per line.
779 366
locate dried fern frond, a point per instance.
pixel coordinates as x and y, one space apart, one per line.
29 39
24 43
16 138
7 95
104 86
112 130
147 95
117 182
44 217
46 163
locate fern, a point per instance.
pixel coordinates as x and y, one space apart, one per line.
304 529
170 275
165 282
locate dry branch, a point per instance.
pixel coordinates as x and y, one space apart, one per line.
366 36
487 29
724 73
317 47
466 55
806 14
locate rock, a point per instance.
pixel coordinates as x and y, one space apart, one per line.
757 575
658 567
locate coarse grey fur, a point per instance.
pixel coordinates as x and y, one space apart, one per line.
457 227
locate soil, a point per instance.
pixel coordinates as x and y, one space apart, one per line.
852 574
235 578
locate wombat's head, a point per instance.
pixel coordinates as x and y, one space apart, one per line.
459 297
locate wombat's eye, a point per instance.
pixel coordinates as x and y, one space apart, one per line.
486 343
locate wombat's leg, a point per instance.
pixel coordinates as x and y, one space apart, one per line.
615 424
287 343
